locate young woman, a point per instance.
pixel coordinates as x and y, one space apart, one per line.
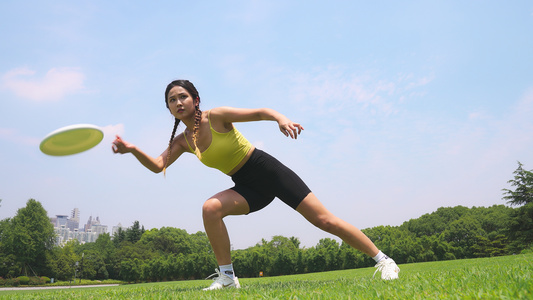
258 177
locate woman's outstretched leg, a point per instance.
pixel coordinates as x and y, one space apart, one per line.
316 213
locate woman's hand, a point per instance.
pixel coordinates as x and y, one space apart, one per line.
121 146
289 128
155 165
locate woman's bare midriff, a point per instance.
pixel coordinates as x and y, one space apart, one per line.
243 161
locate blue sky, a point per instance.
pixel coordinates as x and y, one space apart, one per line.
407 106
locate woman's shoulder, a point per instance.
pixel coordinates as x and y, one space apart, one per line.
218 118
220 111
180 141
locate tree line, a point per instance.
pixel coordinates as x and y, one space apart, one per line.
136 254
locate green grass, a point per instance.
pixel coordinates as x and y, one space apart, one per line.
508 277
83 282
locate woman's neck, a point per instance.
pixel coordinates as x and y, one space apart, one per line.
189 121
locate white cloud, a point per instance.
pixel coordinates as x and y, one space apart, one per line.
524 109
477 115
483 143
512 135
333 90
12 135
252 12
55 85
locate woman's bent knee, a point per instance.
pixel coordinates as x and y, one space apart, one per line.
212 208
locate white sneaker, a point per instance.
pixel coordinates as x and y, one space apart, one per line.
222 281
388 268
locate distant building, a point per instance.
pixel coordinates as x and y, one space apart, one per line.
67 229
115 229
91 223
59 221
74 221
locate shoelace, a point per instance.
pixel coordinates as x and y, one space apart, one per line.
218 274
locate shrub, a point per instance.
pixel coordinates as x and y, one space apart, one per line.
24 280
527 250
45 279
2 281
36 281
12 282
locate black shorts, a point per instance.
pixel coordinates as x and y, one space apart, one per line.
262 178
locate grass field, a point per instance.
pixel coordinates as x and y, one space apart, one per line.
507 277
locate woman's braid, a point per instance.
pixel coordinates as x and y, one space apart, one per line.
197 119
176 123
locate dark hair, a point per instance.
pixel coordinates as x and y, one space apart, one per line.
187 85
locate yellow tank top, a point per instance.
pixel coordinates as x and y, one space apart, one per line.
226 151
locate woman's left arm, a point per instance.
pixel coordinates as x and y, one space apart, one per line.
230 114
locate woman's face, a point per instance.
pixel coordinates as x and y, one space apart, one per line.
180 102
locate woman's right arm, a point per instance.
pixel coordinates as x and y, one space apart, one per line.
155 165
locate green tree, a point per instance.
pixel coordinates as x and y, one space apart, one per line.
134 233
521 228
351 258
249 262
96 258
119 236
169 240
494 218
104 245
398 242
128 250
435 223
93 266
175 264
521 222
330 249
130 270
490 246
29 238
200 242
283 254
463 234
523 183
8 261
62 260
316 260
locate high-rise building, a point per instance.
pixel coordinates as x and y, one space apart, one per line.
60 221
74 222
75 215
68 228
91 223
